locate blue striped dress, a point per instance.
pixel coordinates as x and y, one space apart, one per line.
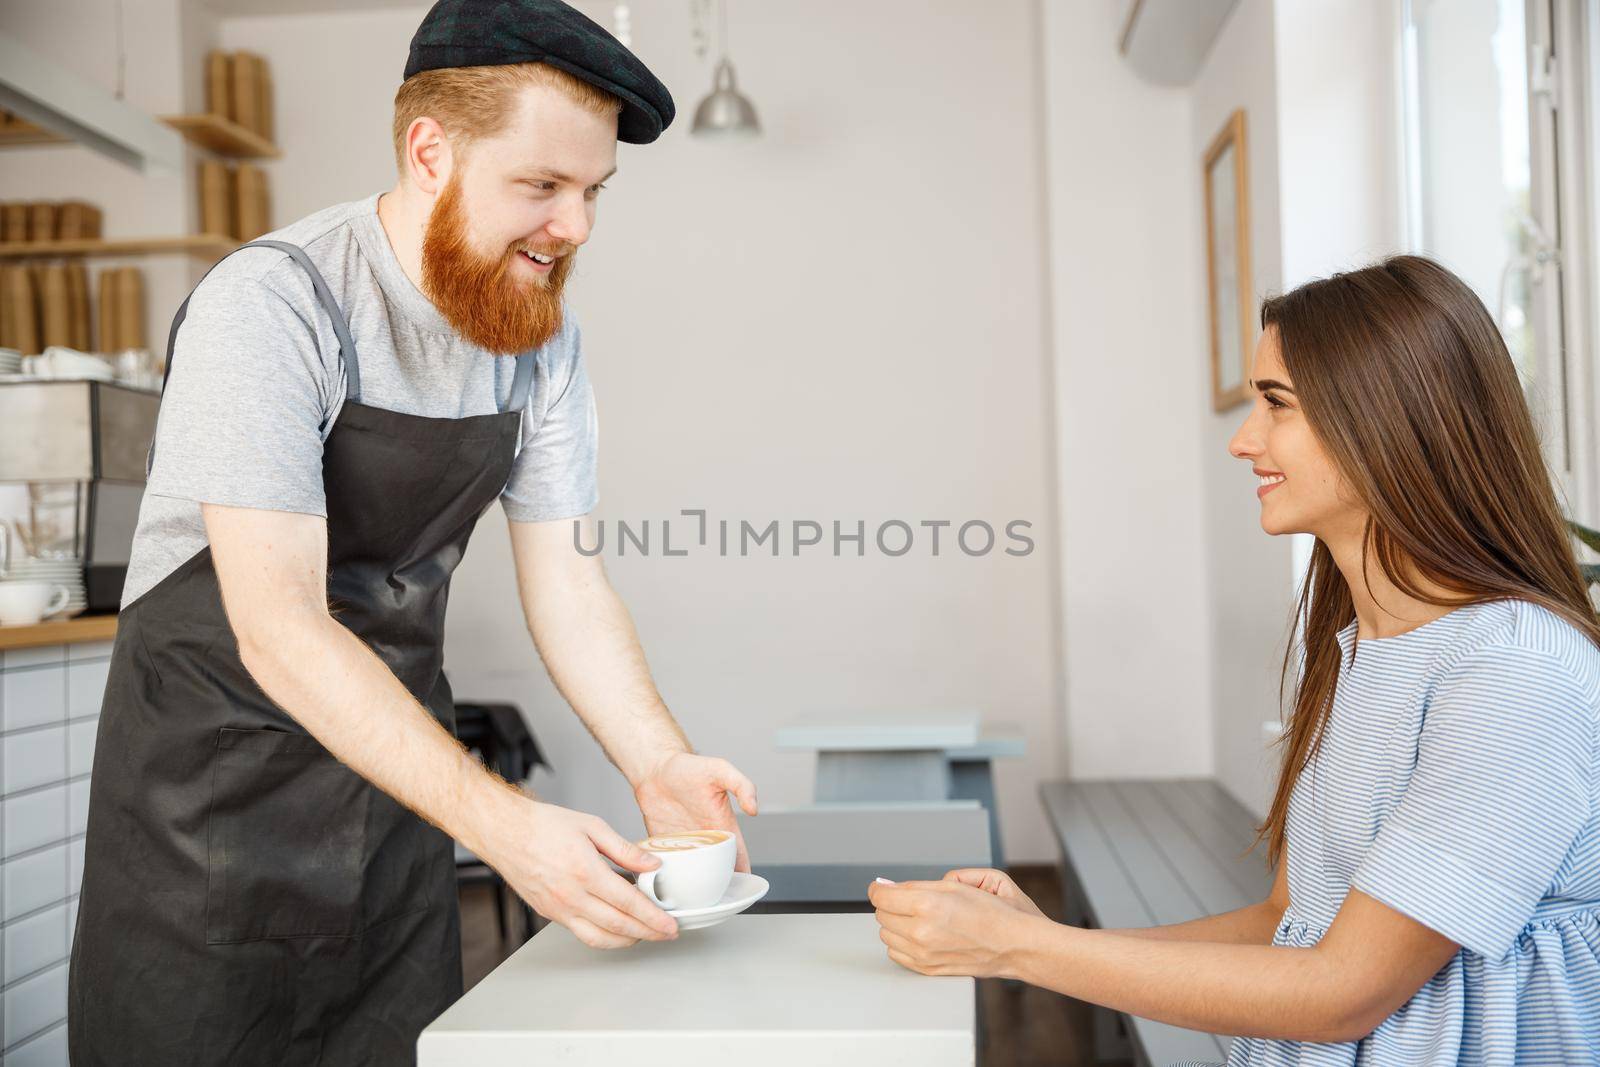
1458 784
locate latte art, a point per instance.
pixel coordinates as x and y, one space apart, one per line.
685 841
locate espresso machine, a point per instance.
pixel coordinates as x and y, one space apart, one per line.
72 456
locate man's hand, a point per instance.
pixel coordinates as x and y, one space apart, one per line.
690 792
555 859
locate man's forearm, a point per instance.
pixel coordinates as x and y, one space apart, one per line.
588 643
348 699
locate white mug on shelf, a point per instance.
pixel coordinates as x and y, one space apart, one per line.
25 603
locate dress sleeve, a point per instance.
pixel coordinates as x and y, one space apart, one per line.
555 475
1499 794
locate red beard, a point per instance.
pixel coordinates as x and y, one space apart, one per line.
481 296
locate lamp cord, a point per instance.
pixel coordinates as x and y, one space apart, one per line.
122 55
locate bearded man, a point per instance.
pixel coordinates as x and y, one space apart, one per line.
268 872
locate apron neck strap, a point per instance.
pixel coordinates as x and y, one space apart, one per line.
522 381
341 328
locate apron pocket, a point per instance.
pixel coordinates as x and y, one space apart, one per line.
287 837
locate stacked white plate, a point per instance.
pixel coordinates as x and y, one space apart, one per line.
67 572
10 361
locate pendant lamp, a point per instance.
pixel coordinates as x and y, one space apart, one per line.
725 112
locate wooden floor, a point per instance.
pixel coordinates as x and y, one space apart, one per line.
1020 1026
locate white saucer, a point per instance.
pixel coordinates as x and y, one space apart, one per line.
743 891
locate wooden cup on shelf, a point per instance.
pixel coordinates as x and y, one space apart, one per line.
69 220
7 332
244 84
216 199
24 311
106 324
264 99
78 305
13 222
74 221
219 89
250 188
55 306
41 221
130 309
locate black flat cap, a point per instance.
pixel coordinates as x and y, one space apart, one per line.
487 33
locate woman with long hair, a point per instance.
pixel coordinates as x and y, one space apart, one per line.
1436 825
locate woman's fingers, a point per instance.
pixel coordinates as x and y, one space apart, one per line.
985 878
899 898
900 924
906 961
896 942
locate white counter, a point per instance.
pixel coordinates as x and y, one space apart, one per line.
768 990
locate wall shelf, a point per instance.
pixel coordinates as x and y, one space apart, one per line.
222 136
215 134
200 245
19 133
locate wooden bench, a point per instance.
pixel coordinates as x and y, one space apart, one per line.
1153 853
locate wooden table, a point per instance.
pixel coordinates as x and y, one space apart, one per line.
774 990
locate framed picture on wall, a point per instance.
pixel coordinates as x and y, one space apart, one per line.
1230 303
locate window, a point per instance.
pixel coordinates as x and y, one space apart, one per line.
1497 177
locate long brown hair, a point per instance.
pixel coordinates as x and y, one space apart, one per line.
1408 386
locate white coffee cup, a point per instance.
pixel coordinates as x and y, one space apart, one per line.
696 867
25 603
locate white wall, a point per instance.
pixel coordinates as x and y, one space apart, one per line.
843 320
1249 574
1129 401
1339 112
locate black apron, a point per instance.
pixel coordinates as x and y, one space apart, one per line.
247 898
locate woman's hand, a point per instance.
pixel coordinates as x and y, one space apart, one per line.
950 927
999 883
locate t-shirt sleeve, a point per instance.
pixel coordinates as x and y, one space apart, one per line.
1499 794
555 474
244 409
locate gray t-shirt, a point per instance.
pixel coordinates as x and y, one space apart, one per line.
257 383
